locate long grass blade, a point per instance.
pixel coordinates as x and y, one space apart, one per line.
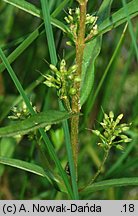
26 6
49 33
70 155
53 56
16 81
131 28
119 17
59 8
35 169
111 183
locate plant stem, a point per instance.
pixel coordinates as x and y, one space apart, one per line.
80 44
101 166
99 169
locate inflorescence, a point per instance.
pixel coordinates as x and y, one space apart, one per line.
113 132
73 20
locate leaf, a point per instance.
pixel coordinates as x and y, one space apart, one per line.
70 156
104 10
110 183
26 6
60 7
53 57
49 32
33 10
119 17
35 169
7 147
36 121
91 51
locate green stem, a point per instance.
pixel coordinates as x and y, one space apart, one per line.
80 44
101 166
98 171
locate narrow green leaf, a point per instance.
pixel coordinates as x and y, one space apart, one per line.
39 120
119 17
16 81
104 11
59 8
49 33
35 169
53 56
91 51
26 6
58 24
33 10
70 155
53 155
111 183
7 147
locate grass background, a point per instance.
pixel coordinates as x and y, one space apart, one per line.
116 72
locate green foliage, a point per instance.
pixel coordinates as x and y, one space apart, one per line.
110 183
35 169
91 52
119 17
7 146
53 57
39 120
108 80
42 132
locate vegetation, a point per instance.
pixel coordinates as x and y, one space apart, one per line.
69 99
